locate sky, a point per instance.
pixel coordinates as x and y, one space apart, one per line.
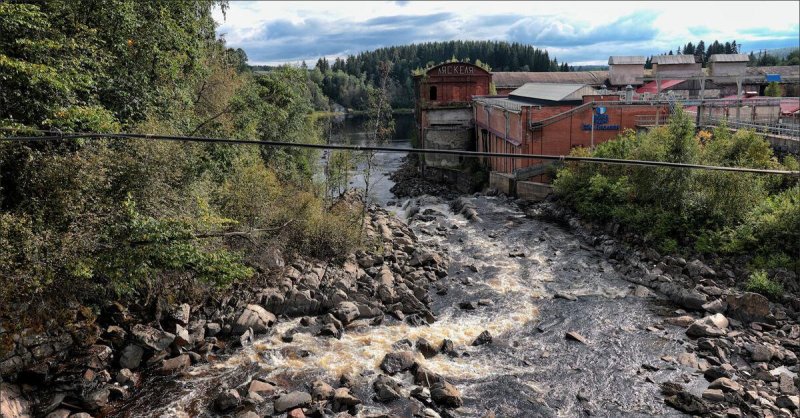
581 33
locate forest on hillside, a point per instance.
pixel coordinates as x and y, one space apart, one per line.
347 80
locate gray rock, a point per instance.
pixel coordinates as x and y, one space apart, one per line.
175 364
131 357
761 352
386 389
274 259
697 269
212 329
292 400
58 413
789 402
96 399
12 404
321 390
346 312
484 338
397 362
255 317
426 348
180 313
700 329
714 395
424 377
447 395
227 400
716 306
152 338
748 307
726 384
342 396
786 384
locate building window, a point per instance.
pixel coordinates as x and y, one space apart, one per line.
433 93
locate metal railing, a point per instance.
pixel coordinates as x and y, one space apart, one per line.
651 120
791 131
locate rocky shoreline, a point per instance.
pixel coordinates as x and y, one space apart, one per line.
742 348
99 365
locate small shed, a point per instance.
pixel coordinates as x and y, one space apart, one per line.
676 66
727 65
625 70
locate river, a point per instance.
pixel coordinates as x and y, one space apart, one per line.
552 285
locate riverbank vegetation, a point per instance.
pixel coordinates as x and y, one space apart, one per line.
707 211
88 221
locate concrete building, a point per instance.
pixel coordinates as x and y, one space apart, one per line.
444 109
625 70
727 65
676 66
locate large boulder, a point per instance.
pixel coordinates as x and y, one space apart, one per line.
397 362
152 338
697 269
227 400
292 400
346 312
255 317
386 389
748 307
131 357
445 394
12 404
175 364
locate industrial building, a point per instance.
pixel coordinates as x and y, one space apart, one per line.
552 113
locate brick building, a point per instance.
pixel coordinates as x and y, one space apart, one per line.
444 109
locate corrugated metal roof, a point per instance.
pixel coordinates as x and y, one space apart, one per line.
504 102
784 70
550 91
729 58
626 59
673 59
505 79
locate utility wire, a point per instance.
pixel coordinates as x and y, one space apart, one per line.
593 160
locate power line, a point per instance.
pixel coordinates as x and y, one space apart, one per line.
363 148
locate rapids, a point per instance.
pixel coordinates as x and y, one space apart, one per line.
529 370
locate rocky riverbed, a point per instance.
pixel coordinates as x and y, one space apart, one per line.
471 307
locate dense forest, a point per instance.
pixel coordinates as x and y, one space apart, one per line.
347 80
702 54
87 221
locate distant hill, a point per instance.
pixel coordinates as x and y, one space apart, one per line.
499 56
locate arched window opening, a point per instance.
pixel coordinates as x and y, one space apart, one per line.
433 93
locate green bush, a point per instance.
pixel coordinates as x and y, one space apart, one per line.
759 282
715 212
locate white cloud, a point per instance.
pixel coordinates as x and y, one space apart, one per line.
553 24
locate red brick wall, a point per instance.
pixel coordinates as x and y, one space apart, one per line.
557 138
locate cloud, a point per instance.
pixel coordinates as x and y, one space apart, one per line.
284 40
547 31
278 32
